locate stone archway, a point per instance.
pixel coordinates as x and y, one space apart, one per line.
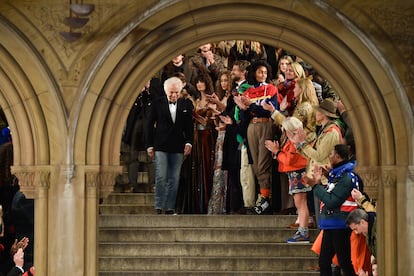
26 91
72 141
375 98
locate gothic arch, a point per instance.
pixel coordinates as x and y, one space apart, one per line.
27 94
367 83
27 89
353 68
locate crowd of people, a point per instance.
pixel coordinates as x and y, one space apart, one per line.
16 216
222 126
239 115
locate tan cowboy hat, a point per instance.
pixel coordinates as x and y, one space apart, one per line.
327 107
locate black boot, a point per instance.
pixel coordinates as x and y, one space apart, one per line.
263 206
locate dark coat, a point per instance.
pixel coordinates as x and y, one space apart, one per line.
165 135
14 272
341 181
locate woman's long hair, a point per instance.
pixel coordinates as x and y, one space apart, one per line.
298 70
205 78
219 91
308 92
289 59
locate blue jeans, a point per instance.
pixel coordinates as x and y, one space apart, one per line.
167 177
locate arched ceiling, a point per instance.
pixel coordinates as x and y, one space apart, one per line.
338 51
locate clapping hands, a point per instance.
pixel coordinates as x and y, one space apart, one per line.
272 146
18 257
23 243
356 194
315 178
268 106
242 102
283 104
226 119
296 137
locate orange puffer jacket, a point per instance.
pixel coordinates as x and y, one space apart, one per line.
289 159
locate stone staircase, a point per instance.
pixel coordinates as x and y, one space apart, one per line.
134 241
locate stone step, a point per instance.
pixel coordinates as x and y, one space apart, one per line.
130 198
108 209
213 235
202 221
205 249
135 241
127 208
195 264
209 273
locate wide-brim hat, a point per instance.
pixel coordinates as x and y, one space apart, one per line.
327 107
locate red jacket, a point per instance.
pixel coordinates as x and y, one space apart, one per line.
286 89
289 159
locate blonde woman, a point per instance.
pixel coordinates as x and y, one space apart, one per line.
294 165
306 99
293 73
305 95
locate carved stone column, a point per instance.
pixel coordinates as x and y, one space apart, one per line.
91 205
34 182
405 267
107 179
380 184
99 183
387 221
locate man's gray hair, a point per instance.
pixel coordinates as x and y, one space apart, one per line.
171 81
356 216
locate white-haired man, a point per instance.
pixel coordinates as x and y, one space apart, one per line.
169 136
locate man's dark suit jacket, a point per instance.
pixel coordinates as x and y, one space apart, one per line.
162 133
14 272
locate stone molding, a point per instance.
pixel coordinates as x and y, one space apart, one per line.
102 177
388 176
32 179
376 178
371 178
397 23
92 176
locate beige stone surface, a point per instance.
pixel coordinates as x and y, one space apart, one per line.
67 103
